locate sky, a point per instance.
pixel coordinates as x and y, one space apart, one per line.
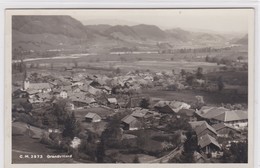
215 20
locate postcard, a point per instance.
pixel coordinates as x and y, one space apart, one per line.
145 87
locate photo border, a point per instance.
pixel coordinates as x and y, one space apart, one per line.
7 86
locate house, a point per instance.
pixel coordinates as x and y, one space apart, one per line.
39 87
208 113
20 94
199 158
44 97
54 130
224 129
75 143
18 108
188 113
171 106
131 123
35 100
92 117
208 144
68 68
195 124
89 89
143 113
134 102
234 118
96 84
204 129
112 101
90 100
139 112
32 92
78 102
64 94
106 89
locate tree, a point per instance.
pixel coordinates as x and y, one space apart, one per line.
190 79
183 72
100 152
220 83
118 70
238 153
112 135
207 59
189 146
71 128
144 103
136 159
60 110
173 71
199 73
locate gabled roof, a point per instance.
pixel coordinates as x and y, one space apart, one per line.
206 140
197 156
187 112
203 127
38 86
112 100
221 125
174 105
106 88
210 112
234 115
128 119
195 124
90 100
44 95
91 115
32 91
139 113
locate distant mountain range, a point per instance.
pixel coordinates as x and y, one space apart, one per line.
41 33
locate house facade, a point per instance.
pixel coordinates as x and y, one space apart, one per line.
92 117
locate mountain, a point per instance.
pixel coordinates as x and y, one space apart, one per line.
242 41
179 34
147 32
64 33
100 28
61 25
196 38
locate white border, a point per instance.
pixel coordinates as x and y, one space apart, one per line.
133 4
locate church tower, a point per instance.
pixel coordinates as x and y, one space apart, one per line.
26 84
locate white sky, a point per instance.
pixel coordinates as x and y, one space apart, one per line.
217 20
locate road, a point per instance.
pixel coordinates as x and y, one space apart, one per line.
169 156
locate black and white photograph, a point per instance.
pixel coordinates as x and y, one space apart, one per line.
154 86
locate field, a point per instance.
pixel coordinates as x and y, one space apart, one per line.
188 96
106 63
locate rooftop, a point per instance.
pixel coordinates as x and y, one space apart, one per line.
206 140
128 119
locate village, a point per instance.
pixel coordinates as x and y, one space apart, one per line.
113 119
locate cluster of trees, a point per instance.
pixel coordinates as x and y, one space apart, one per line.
219 60
238 153
198 74
189 147
201 50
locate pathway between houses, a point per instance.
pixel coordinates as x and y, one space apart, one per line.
166 158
